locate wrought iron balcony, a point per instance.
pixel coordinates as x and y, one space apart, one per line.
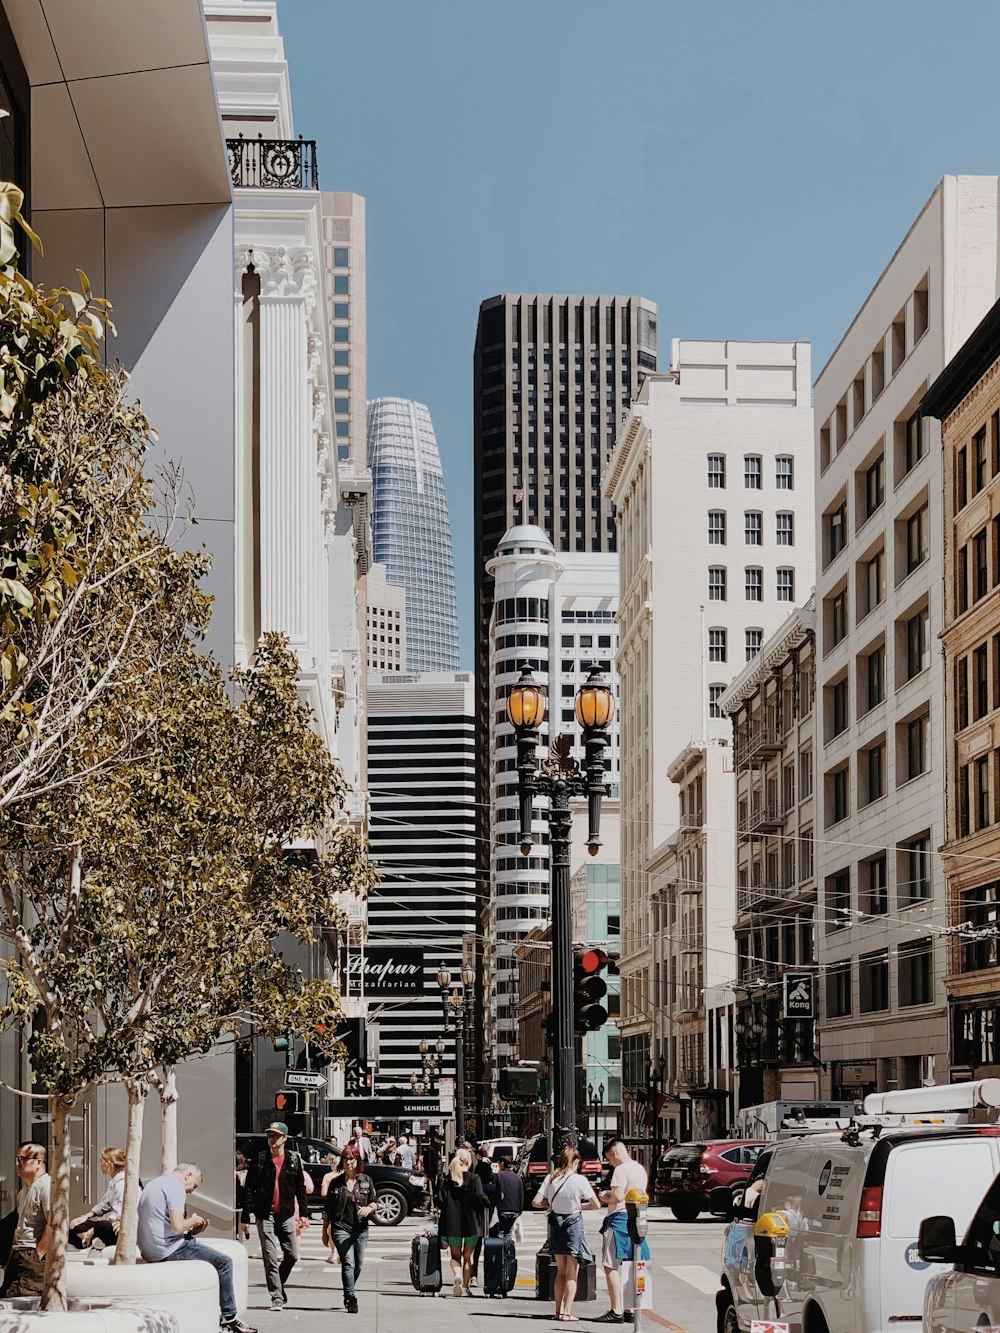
760 820
273 164
766 740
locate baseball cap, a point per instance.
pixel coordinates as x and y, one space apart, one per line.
277 1127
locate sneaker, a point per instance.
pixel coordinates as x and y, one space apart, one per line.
473 1281
277 1303
351 1305
457 1288
610 1317
236 1325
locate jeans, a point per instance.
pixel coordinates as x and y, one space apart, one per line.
223 1265
351 1249
505 1223
279 1248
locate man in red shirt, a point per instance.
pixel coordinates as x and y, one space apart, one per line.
278 1191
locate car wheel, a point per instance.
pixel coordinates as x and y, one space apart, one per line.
728 1323
684 1212
390 1207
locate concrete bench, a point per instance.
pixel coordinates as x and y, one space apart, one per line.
22 1316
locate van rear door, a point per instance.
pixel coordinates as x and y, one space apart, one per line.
944 1175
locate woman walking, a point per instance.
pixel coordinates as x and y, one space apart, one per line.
460 1225
566 1193
350 1202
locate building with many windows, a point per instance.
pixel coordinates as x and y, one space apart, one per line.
712 482
386 622
965 398
772 707
411 532
880 765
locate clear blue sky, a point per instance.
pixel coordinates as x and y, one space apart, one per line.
749 166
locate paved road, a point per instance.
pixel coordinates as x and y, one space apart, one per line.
685 1266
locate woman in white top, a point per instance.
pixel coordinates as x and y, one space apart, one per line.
566 1193
102 1222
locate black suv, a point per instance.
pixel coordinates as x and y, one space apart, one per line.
397 1192
533 1163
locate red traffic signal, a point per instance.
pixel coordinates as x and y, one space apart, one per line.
592 960
589 988
286 1101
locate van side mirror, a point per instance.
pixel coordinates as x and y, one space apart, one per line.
722 1203
936 1240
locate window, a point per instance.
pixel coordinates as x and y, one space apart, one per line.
875 772
982 780
716 645
980 566
715 692
342 310
754 638
838 616
837 529
342 383
341 405
786 585
915 870
979 461
916 972
753 527
341 334
917 648
962 479
838 900
874 581
341 285
839 698
805 773
342 358
839 806
915 760
806 859
875 885
752 472
913 442
981 681
785 533
783 475
873 982
920 312
716 527
716 584
875 676
754 584
916 539
838 990
340 256
717 471
874 486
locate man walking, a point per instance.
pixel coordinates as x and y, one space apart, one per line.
278 1188
362 1145
509 1197
627 1174
407 1154
165 1235
26 1266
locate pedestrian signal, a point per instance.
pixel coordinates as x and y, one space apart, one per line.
286 1101
589 987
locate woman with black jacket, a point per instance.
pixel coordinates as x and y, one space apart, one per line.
460 1225
349 1203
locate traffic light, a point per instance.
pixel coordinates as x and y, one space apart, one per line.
318 1056
286 1102
589 987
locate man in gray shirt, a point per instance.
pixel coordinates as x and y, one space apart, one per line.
165 1234
26 1266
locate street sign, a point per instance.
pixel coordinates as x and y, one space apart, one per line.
800 995
446 1095
304 1078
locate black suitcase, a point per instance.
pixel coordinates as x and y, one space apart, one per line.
499 1265
425 1265
545 1278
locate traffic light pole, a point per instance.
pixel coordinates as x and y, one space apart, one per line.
559 779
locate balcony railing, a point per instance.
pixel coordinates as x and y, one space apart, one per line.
273 164
759 745
750 897
689 823
761 819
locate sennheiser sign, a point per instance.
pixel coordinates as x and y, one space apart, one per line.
800 995
388 972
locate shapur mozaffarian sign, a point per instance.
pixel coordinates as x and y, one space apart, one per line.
389 971
800 995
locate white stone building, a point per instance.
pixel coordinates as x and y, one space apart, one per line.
712 479
881 758
386 622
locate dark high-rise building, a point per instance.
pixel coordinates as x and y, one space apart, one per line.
553 378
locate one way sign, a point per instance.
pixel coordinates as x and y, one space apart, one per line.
800 995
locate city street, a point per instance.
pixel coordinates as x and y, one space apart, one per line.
685 1266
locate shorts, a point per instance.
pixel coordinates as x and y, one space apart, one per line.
459 1242
609 1250
567 1236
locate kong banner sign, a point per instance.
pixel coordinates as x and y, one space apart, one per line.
388 972
800 995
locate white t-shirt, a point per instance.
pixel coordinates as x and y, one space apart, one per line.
567 1194
631 1175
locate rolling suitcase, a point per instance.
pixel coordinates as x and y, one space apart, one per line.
499 1266
425 1264
586 1281
545 1278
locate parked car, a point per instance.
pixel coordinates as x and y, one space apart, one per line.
966 1295
498 1148
533 1163
397 1192
839 1217
689 1172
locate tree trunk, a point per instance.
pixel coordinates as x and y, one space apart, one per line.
167 1088
54 1286
136 1089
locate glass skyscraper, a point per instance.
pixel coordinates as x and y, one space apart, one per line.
411 532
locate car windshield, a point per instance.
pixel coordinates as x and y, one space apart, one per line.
315 1150
685 1154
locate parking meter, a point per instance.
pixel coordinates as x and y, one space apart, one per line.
770 1234
636 1203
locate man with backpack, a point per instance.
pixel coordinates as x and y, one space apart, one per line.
278 1192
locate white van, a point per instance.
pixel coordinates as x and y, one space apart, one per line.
844 1211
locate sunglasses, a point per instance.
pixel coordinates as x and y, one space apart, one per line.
27 1157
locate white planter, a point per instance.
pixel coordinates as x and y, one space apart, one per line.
111 1319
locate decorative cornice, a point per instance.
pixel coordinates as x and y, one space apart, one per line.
282 272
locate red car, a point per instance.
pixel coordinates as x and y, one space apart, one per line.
689 1172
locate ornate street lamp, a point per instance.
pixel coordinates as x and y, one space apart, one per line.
457 1006
596 1105
560 778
